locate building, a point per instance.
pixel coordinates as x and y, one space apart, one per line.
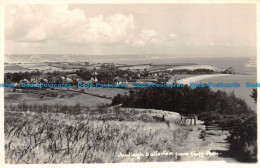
95 73
69 80
119 80
74 77
35 79
94 79
24 81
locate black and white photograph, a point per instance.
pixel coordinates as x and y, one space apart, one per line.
108 83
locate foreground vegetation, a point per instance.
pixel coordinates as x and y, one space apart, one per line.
77 136
218 107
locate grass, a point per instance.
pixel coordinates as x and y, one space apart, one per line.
102 134
136 67
64 97
13 67
108 92
87 138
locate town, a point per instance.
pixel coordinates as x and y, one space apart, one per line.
74 73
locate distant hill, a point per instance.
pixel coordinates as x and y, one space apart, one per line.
29 58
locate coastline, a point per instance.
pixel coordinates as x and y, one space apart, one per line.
199 77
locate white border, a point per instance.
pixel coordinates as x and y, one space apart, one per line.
210 164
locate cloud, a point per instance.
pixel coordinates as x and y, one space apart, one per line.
193 43
173 36
35 23
146 37
37 34
59 27
211 43
227 44
113 28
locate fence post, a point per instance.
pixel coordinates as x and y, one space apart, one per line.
194 119
190 120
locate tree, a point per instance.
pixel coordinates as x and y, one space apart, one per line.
254 94
117 99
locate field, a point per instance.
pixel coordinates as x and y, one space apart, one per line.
107 92
29 67
66 97
14 67
98 136
136 67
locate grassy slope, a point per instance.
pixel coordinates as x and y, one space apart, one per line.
88 138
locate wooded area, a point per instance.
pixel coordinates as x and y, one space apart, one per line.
218 107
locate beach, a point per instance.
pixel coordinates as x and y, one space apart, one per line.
199 78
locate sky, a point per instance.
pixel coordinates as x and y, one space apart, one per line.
205 30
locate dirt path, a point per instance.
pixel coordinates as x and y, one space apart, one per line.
199 146
204 146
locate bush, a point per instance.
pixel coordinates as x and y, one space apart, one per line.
243 140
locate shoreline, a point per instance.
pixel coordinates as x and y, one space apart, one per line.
199 77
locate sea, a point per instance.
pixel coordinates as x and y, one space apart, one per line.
242 92
244 67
